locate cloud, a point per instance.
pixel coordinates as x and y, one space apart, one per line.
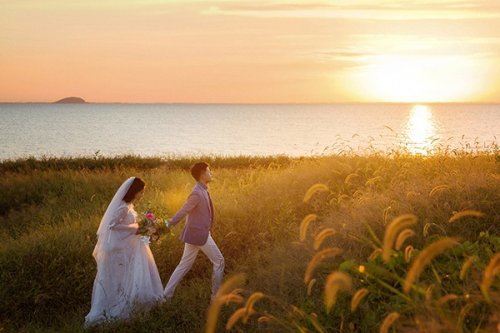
366 10
362 50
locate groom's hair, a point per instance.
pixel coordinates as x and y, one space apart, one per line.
136 187
198 169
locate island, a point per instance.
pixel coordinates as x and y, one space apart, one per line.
71 100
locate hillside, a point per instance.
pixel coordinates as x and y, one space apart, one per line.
71 100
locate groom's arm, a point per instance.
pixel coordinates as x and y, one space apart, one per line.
191 202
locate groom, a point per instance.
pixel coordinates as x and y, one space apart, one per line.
196 233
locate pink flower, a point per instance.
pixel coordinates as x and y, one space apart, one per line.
150 216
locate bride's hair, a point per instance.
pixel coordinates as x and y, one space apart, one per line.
137 186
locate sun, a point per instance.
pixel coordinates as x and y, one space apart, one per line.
404 78
420 129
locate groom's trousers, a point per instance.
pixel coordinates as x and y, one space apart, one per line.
188 257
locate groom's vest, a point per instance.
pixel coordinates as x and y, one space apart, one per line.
199 210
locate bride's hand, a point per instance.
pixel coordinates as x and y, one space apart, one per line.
136 225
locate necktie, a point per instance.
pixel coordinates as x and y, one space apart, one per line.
211 207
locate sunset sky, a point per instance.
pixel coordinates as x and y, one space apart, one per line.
250 51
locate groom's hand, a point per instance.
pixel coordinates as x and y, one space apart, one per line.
167 224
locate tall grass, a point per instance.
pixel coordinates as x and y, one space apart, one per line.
443 286
50 209
98 162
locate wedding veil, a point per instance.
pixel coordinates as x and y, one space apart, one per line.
104 227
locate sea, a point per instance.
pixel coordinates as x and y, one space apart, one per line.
169 130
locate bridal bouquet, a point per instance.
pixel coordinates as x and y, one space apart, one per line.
151 227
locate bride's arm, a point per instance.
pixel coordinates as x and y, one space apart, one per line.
118 224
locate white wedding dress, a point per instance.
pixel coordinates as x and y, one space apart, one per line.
127 277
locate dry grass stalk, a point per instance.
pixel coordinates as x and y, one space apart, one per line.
235 317
408 252
214 308
465 213
310 285
424 258
316 188
231 298
446 298
342 197
437 190
428 292
250 302
386 214
350 177
490 272
411 195
392 230
388 321
373 181
318 257
356 299
335 282
403 236
304 225
375 254
467 264
322 235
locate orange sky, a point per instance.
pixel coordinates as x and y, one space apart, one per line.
250 51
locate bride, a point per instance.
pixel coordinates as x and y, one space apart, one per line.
127 275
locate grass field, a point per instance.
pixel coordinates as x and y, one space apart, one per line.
325 244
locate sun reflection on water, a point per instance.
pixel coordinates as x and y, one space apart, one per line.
420 130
